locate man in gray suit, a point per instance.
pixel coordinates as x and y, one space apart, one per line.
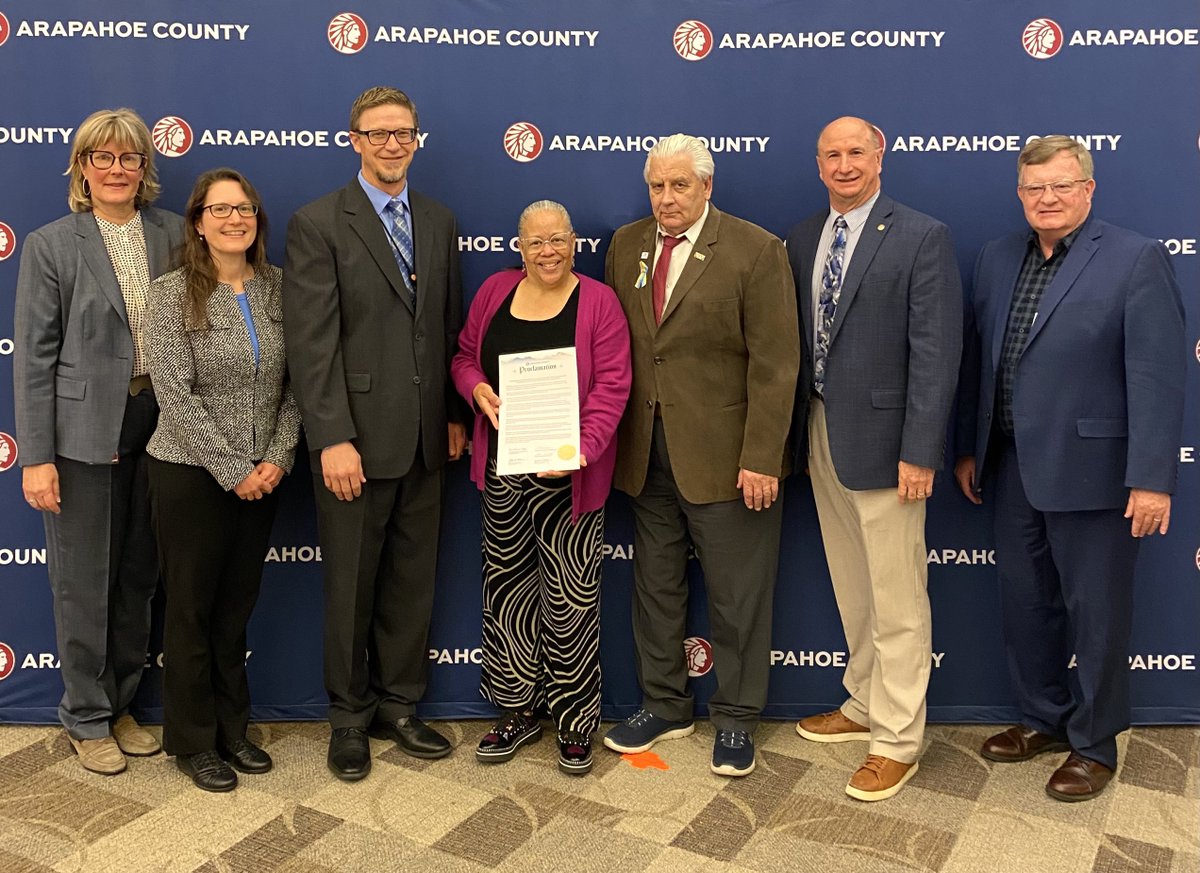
372 308
880 305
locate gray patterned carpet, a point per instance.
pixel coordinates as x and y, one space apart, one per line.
959 814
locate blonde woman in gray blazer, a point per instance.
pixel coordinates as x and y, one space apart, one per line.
84 411
226 436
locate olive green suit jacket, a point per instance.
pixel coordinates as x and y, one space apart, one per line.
721 366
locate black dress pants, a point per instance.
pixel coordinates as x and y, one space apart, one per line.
211 547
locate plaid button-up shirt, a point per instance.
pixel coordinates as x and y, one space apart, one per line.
1036 275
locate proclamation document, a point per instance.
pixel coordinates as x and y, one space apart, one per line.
539 412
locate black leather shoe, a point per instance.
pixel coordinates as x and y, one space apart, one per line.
208 771
349 754
413 736
245 757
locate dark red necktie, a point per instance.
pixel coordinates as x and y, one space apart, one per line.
659 290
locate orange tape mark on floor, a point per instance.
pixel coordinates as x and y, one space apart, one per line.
646 761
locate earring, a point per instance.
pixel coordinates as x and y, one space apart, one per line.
141 189
87 189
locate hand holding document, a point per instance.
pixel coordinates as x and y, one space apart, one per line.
539 412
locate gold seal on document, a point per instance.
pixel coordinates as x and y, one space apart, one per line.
566 452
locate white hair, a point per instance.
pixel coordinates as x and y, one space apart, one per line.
682 144
544 206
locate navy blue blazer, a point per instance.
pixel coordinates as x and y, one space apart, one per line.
1098 396
894 348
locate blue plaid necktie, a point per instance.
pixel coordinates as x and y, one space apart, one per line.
402 244
831 290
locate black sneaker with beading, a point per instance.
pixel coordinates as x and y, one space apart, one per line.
506 736
574 753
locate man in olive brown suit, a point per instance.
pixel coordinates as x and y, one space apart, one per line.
702 448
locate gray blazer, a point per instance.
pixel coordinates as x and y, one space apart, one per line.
74 353
217 410
894 346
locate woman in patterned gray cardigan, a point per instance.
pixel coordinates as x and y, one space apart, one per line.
226 435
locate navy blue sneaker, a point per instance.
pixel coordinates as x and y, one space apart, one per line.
642 730
733 754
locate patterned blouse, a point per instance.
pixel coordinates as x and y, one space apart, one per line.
126 244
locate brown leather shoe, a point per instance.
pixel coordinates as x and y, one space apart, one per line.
879 778
1079 778
133 738
101 755
831 727
1020 743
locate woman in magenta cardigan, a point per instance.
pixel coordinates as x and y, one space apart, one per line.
542 534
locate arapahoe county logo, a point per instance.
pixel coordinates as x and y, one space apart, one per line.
8 241
693 40
523 142
347 33
5 30
1042 38
697 651
8 451
172 136
8 660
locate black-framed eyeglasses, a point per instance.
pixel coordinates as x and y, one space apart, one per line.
131 161
224 210
379 136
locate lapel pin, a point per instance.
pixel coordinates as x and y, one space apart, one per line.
699 256
645 254
880 227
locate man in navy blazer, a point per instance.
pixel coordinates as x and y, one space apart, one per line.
1070 408
880 303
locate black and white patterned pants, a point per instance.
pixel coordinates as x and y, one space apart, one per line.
541 600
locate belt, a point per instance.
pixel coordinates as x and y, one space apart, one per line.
138 384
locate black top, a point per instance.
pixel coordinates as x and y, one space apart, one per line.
507 334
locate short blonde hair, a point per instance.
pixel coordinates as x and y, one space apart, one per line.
124 127
382 95
1044 148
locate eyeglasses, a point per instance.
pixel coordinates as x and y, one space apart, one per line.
1062 189
560 242
378 137
224 210
130 161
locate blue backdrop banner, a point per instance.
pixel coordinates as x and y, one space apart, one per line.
539 99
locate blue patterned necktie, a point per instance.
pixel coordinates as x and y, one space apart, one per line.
402 245
831 290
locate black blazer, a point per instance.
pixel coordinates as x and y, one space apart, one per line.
364 364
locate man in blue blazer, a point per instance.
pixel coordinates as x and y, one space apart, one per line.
880 303
1070 407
